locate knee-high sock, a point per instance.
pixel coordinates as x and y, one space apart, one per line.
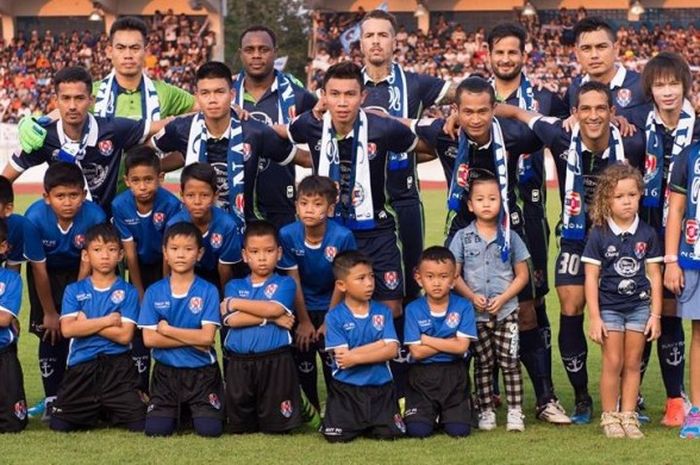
399 365
574 352
646 355
532 356
671 352
308 374
546 335
52 365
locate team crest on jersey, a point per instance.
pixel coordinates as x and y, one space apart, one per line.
358 195
391 279
650 165
2 288
105 147
691 231
624 97
270 290
216 240
214 401
640 249
286 408
79 241
246 151
117 296
20 409
196 305
371 150
240 202
452 320
572 203
158 219
462 175
330 253
378 322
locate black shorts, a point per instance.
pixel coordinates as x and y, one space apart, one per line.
438 391
198 389
383 248
59 278
569 270
352 411
13 402
262 392
103 388
150 273
412 234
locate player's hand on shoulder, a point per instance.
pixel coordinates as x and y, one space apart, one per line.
626 128
569 123
451 126
320 108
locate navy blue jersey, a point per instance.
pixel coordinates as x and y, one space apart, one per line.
626 89
145 229
199 307
457 321
259 142
422 91
314 262
106 140
222 241
84 297
44 240
257 339
15 239
10 302
383 135
518 139
345 329
621 256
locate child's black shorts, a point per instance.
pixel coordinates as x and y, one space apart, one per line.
103 388
352 411
59 278
383 246
438 390
13 403
198 389
262 392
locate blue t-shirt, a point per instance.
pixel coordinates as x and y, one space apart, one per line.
44 240
107 139
258 339
10 302
315 263
15 239
457 321
222 241
145 229
345 329
83 296
199 307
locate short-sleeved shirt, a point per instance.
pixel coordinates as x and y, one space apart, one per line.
106 142
222 241
422 91
314 262
482 268
10 302
172 100
457 321
346 329
259 141
198 307
626 89
15 239
383 135
621 256
145 229
84 297
44 240
257 339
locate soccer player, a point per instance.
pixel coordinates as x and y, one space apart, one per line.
54 236
360 334
179 317
95 144
140 215
309 246
98 315
439 329
14 255
13 402
262 388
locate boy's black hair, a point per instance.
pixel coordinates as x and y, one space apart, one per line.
129 23
346 261
594 86
259 228
214 70
438 254
198 171
344 70
7 195
318 185
480 176
503 30
258 28
3 230
63 174
141 155
183 228
591 24
104 231
73 74
475 85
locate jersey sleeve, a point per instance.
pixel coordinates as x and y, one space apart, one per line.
431 90
552 134
210 314
148 318
130 306
306 101
289 260
33 247
284 294
299 128
335 337
679 174
411 330
231 247
129 132
400 138
456 246
389 331
272 146
11 298
592 253
519 252
467 323
429 130
169 139
519 137
174 101
22 160
70 305
119 223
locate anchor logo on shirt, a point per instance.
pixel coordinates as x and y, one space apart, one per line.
45 368
677 357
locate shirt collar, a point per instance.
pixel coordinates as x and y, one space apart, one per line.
92 135
617 230
617 81
386 78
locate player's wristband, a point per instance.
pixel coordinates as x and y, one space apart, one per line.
670 258
264 322
655 315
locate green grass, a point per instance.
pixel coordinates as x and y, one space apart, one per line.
539 444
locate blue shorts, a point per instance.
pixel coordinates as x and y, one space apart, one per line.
689 300
383 248
568 269
629 320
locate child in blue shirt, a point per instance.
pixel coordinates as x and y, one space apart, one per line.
360 335
15 226
262 389
179 317
99 316
309 246
438 329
